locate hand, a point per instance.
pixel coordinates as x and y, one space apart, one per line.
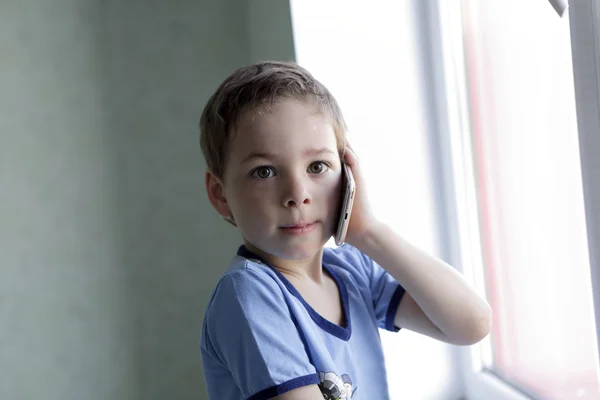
362 219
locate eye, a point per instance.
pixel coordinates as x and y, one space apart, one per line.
318 167
263 172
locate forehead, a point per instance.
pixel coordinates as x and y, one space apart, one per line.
290 127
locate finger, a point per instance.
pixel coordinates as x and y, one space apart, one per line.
350 148
350 156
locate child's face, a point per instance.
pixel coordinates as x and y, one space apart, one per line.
284 169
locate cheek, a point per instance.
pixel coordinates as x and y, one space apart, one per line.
251 202
333 193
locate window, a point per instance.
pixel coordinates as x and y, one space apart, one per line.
521 192
520 203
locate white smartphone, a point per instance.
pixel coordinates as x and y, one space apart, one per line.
348 189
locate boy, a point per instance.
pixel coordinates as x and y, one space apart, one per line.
291 319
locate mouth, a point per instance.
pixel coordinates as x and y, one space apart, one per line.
298 225
299 228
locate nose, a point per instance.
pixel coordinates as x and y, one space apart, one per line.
296 192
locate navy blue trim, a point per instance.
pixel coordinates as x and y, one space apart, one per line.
274 391
343 333
392 308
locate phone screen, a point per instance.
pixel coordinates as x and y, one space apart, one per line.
348 189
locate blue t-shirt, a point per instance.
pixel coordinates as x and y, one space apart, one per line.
260 338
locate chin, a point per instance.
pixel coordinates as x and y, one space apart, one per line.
302 251
288 251
275 246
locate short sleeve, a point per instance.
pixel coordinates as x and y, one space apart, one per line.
250 329
386 293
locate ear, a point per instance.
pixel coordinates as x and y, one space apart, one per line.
216 194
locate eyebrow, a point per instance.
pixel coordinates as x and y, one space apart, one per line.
307 153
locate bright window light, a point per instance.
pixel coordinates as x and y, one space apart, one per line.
367 55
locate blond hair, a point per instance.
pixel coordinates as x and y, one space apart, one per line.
257 87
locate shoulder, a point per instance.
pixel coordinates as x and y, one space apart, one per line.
349 259
242 279
247 303
244 294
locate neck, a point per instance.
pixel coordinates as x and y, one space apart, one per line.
308 268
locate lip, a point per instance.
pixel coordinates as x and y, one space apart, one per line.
299 229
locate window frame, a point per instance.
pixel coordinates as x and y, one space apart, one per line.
584 17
